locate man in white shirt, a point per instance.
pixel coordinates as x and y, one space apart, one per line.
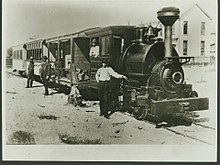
94 50
103 77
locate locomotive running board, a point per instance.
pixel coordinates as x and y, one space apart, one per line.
164 107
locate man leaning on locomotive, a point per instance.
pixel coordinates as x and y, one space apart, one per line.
103 77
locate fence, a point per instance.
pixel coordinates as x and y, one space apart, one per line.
8 63
204 60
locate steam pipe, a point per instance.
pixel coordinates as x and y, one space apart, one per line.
168 17
168 41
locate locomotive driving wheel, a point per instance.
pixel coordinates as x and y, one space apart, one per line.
139 112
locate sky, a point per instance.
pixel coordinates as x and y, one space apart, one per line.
25 19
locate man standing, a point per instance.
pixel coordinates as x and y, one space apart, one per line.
103 77
30 73
45 73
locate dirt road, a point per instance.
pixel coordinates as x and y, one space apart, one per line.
32 118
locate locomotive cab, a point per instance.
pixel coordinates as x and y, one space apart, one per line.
111 42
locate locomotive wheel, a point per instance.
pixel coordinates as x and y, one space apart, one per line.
23 74
139 113
193 94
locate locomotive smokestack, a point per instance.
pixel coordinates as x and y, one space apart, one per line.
168 17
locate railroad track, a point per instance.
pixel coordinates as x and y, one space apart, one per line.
192 130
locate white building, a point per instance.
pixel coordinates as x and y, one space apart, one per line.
194 35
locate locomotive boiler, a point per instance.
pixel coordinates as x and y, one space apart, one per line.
156 85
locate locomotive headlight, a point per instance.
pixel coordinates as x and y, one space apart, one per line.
177 77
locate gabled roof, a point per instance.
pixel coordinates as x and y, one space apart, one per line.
192 8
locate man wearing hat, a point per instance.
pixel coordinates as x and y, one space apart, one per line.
94 50
30 72
103 76
45 73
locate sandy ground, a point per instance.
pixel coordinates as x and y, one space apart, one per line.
50 120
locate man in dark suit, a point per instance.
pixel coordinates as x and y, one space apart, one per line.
30 73
45 73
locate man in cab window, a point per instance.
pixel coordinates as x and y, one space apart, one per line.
94 50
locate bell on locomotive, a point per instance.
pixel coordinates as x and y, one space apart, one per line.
156 73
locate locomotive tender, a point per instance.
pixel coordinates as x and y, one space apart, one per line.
155 85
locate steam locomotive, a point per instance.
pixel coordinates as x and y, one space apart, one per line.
156 84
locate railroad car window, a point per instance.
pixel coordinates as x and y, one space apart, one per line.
20 54
40 54
37 54
185 42
65 47
16 54
202 48
28 54
185 27
105 45
33 54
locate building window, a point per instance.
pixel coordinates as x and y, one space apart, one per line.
173 30
202 48
184 47
185 27
20 54
202 28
